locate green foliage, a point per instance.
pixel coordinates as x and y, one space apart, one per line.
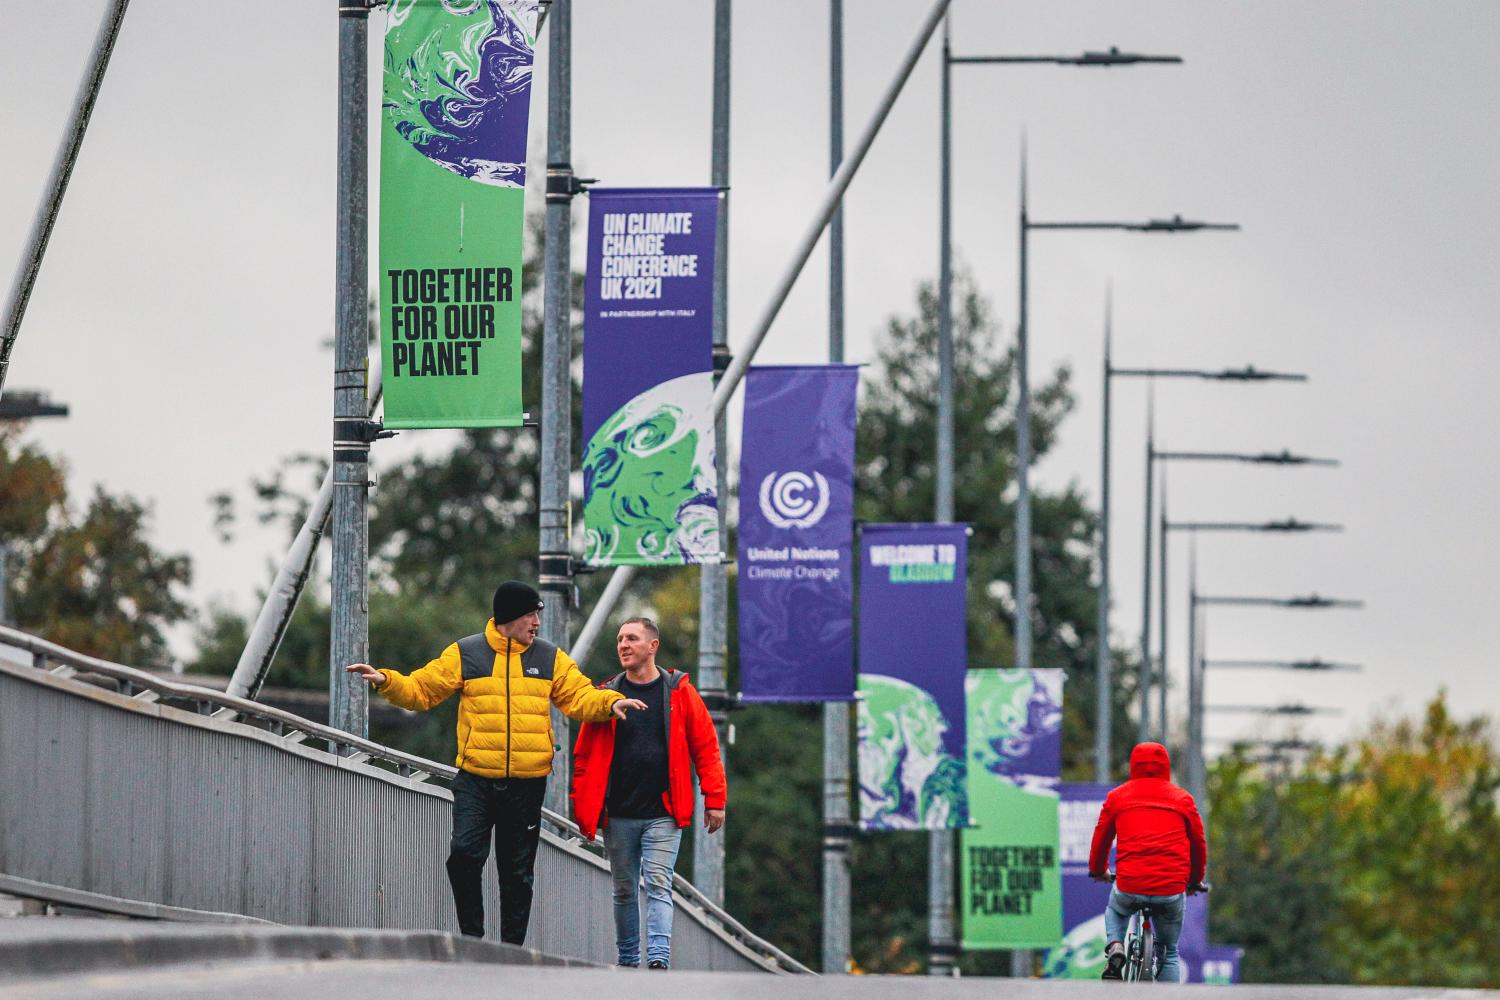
1368 865
93 583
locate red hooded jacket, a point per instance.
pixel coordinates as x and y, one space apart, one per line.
690 736
1160 849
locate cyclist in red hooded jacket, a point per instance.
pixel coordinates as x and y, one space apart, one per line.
1160 854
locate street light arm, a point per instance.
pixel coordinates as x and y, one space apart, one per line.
1307 601
1281 665
1255 458
1290 525
1112 57
1247 374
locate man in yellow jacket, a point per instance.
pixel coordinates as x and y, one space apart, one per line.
507 679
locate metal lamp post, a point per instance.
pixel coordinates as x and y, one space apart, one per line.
1104 666
1153 455
1289 526
1197 773
943 947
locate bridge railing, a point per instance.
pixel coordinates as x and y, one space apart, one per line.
228 713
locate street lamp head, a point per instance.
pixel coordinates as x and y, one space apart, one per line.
1177 224
1319 601
1250 373
1291 524
1114 57
1285 457
1316 664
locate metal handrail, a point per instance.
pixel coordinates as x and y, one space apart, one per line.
51 658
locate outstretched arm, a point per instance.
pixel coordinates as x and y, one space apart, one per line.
576 697
421 689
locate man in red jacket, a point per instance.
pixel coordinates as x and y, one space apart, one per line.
632 778
1160 854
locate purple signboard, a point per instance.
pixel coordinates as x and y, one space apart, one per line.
796 534
911 693
649 491
1081 953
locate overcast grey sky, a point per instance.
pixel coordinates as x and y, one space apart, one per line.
188 287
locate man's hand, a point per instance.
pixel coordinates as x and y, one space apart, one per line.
366 673
620 707
713 819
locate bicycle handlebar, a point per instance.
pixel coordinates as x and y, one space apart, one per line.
1192 890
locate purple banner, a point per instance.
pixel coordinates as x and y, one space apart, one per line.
649 491
911 691
1081 954
796 535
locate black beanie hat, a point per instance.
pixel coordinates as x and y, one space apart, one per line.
514 599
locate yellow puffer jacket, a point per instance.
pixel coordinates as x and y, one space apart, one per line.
504 726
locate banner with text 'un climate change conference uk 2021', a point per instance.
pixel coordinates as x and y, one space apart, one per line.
912 658
649 492
796 537
457 95
1011 891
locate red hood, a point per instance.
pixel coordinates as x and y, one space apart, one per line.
1150 760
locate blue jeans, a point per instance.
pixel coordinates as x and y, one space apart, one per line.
1166 921
643 847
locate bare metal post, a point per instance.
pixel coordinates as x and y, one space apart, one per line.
713 584
554 558
1145 721
57 184
1196 782
1103 659
348 696
1161 692
942 948
837 828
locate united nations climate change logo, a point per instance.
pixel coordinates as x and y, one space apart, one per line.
786 502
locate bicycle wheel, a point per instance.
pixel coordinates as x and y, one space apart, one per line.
1132 971
1148 955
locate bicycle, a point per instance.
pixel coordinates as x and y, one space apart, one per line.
1141 957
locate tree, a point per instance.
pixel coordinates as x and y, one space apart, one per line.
1367 864
95 584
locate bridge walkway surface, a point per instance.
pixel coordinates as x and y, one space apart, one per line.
146 797
168 961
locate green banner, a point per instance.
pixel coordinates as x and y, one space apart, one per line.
1010 881
452 177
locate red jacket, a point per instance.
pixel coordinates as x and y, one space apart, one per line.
690 735
1160 850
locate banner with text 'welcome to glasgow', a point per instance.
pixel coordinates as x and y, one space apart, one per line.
457 95
912 659
1010 882
796 534
649 492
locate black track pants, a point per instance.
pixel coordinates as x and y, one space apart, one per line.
513 808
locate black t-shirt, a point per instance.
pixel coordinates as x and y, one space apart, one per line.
638 772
